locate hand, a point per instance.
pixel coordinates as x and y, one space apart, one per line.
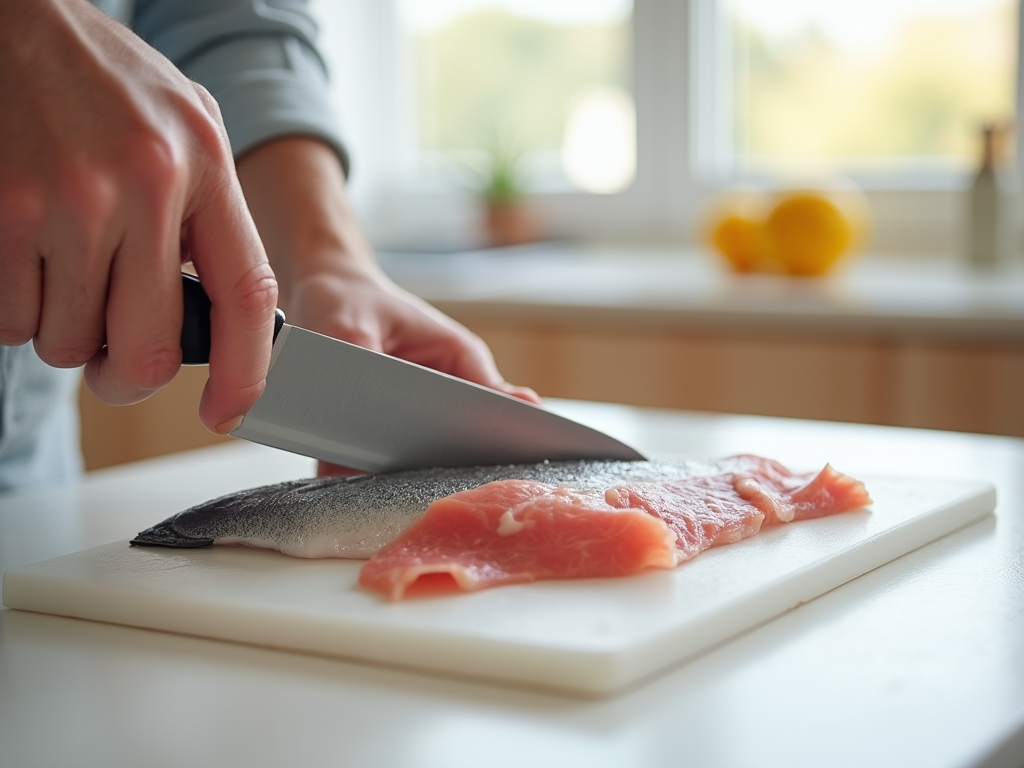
330 282
114 168
361 305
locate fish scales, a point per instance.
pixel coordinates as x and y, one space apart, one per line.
355 517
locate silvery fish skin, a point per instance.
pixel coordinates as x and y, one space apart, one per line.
354 517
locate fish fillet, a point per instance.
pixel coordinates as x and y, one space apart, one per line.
513 531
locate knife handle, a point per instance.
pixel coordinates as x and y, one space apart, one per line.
195 327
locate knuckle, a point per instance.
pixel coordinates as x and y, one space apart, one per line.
68 354
472 343
22 208
89 194
15 337
156 164
149 369
207 129
256 292
360 334
209 103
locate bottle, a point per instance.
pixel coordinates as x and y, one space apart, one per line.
990 213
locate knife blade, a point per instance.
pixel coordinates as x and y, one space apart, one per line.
348 405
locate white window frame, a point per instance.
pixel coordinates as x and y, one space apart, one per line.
683 144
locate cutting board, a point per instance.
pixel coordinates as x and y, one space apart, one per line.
590 636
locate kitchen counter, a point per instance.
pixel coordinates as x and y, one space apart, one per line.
688 288
920 662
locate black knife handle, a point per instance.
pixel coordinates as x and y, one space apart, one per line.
195 327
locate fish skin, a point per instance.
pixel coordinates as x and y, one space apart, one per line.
354 517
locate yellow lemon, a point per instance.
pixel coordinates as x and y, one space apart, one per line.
736 230
742 241
810 231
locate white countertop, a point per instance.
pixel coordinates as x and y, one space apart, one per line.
685 288
918 663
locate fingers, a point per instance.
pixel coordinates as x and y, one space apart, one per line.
229 258
523 393
474 362
80 235
21 286
102 185
441 343
339 308
373 313
143 308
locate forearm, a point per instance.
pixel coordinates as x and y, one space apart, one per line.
295 188
330 282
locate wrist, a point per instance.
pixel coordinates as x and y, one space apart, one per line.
330 246
295 188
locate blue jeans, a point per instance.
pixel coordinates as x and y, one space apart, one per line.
39 443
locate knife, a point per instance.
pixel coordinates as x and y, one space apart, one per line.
348 405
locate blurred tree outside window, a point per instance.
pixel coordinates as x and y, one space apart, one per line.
875 86
546 80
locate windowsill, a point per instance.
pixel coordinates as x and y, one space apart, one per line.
875 295
923 223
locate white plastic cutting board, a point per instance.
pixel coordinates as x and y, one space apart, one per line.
592 636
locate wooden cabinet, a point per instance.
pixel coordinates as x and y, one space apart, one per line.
960 385
165 423
963 387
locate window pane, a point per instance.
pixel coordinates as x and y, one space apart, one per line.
549 79
868 85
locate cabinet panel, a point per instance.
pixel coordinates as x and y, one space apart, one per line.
165 423
957 387
962 387
833 380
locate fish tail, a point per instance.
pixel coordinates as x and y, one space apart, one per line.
164 535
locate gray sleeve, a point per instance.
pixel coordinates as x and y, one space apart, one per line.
257 57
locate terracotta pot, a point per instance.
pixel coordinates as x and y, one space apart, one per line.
511 224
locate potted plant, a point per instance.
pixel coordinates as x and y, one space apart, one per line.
508 217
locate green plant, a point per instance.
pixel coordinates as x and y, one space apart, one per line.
499 172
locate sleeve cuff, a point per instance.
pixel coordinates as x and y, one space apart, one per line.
258 110
269 88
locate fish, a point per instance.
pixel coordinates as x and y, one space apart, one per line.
356 517
514 531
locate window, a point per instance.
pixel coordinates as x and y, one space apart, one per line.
889 92
545 81
898 88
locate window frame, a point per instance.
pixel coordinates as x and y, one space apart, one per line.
683 145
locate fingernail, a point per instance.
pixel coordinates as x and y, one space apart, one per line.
228 426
